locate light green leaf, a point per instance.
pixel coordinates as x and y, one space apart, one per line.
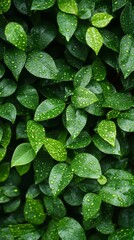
7 87
28 96
22 155
83 77
34 211
83 97
75 118
48 109
126 121
68 6
99 70
36 134
2 153
126 56
16 35
41 65
69 228
86 165
117 4
112 114
105 147
24 231
42 4
90 205
94 39
67 24
101 19
4 5
107 130
60 176
23 168
8 111
83 140
122 234
56 149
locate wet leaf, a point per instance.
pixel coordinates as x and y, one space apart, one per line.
107 130
86 165
83 140
99 70
69 228
7 87
101 19
54 207
68 6
83 77
16 35
42 5
122 233
56 149
60 176
85 9
73 196
127 19
51 233
94 39
65 72
6 137
117 4
12 205
8 112
110 40
125 121
5 5
90 205
4 171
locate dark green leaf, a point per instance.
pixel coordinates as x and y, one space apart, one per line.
94 39
126 121
8 111
4 171
127 19
73 196
23 168
110 40
6 137
51 233
90 205
2 70
122 234
107 130
65 72
83 77
7 87
117 4
68 6
85 9
5 5
83 140
54 207
56 149
12 205
96 107
99 71
42 5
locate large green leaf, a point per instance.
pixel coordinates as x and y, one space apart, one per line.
24 231
101 19
125 121
16 35
83 77
122 234
75 121
117 4
22 155
15 59
107 130
69 228
68 6
7 87
42 5
51 232
5 5
60 176
127 18
56 149
67 24
94 39
41 64
8 111
86 165
90 205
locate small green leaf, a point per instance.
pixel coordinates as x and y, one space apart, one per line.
96 107
65 72
36 134
75 118
126 56
4 171
23 168
28 96
42 5
85 9
112 114
69 228
73 195
126 121
122 233
67 24
16 35
90 205
99 71
6 137
83 97
7 87
117 4
4 5
56 149
110 40
83 140
48 109
105 147
60 176
41 64
94 39
8 112
68 6
107 130
83 77
86 165
11 206
15 60
34 211
54 207
22 155
101 19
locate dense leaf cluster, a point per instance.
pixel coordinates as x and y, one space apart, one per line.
66 119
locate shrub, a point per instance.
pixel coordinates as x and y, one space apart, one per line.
66 119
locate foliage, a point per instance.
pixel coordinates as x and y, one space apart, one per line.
66 119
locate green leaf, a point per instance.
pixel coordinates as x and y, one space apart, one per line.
5 5
119 101
36 135
127 19
83 97
4 171
107 130
105 147
83 77
75 118
86 165
94 39
106 226
56 149
126 121
73 196
15 60
85 9
90 205
11 206
126 56
2 153
16 35
28 96
48 109
112 114
54 207
117 4
2 70
99 70
51 233
60 176
65 72
83 140
22 155
69 228
119 189
1 133
23 231
68 6
8 112
122 233
6 137
23 168
110 40
7 87
34 211
96 108
41 64
42 5
67 24
101 19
